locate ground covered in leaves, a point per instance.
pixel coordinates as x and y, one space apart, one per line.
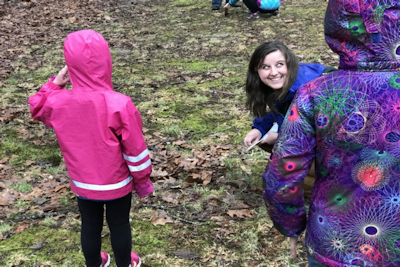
184 67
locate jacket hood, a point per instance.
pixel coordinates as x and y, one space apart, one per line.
364 33
89 61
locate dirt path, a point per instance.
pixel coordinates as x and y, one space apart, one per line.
184 67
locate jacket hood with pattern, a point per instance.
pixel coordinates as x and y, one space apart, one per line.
365 33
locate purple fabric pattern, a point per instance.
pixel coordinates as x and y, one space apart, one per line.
364 33
349 123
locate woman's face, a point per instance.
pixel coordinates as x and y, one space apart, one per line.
273 70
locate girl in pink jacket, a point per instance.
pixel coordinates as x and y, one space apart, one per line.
100 136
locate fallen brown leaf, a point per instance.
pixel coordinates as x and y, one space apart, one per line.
21 227
170 199
160 217
241 213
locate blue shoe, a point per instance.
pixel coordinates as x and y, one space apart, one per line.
215 8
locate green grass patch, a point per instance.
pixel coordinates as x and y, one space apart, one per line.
22 187
5 228
11 144
58 245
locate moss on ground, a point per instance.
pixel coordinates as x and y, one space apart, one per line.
42 244
11 144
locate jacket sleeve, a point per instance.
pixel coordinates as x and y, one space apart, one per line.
306 73
135 150
40 106
291 160
232 2
263 124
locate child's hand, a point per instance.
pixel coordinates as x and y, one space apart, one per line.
227 6
251 137
61 78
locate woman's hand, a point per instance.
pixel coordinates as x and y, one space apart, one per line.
271 138
61 78
227 6
251 137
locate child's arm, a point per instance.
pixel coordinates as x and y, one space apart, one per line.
38 101
135 151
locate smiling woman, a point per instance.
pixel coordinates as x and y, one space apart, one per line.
273 77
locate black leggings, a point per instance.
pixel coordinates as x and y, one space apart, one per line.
117 215
253 7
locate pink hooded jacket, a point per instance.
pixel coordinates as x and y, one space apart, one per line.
99 131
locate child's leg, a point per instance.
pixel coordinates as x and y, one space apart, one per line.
251 5
92 216
117 214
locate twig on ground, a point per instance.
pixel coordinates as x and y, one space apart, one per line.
187 221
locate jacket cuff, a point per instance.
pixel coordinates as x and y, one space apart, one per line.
53 85
144 189
263 132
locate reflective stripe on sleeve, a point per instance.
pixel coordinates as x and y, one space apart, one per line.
141 167
138 158
106 187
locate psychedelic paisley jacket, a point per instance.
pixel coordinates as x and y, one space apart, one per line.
349 123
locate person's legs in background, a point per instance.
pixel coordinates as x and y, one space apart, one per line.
117 214
251 5
272 12
92 216
216 4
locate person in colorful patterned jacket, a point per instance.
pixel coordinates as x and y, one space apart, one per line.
258 6
347 121
99 132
